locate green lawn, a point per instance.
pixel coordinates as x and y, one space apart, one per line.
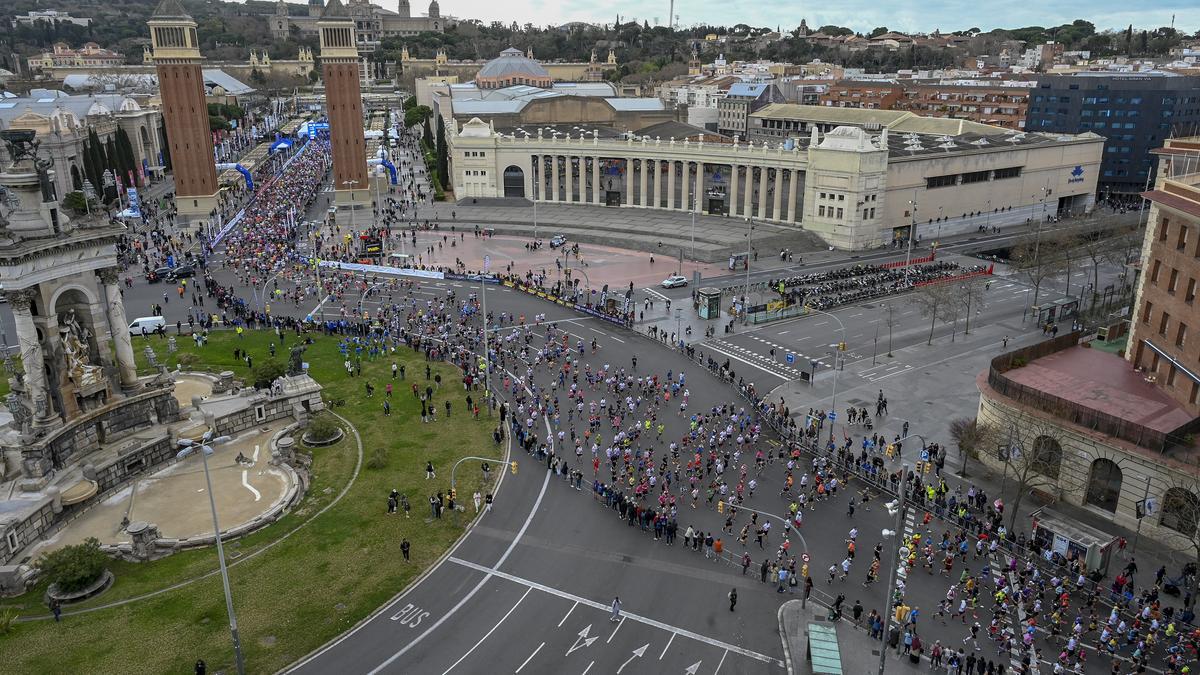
305 589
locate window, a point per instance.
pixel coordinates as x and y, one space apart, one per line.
1171 375
821 211
1181 239
1154 271
1190 296
975 177
1147 310
1011 172
1163 322
841 198
940 181
822 195
1163 224
839 214
1173 283
1181 334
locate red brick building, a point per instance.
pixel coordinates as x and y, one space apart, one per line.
985 102
1165 335
185 111
343 102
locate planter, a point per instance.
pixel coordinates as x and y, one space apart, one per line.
98 586
313 443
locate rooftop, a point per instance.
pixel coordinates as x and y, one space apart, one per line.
1103 383
895 120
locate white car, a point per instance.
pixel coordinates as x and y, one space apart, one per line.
674 281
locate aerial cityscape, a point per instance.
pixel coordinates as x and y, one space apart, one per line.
345 337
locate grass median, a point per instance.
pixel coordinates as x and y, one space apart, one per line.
299 582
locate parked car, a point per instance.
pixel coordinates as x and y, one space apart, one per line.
558 240
675 281
158 274
146 325
181 272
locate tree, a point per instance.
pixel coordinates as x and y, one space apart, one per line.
1179 511
266 372
966 434
427 132
934 300
416 115
409 103
970 294
1030 448
76 201
74 568
877 32
1033 260
443 172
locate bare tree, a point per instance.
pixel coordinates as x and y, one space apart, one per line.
967 436
1124 249
933 301
969 294
1097 249
1178 509
1030 450
1032 259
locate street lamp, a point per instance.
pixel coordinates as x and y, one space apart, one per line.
749 249
840 348
204 447
912 233
895 508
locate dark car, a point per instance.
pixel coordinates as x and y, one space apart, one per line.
181 272
158 274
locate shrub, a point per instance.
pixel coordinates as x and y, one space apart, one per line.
8 619
74 568
379 459
187 359
266 372
322 427
76 201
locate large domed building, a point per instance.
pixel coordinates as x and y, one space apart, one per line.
512 68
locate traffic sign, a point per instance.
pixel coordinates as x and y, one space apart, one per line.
804 557
791 358
832 415
925 455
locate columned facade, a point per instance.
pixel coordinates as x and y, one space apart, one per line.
118 326
185 111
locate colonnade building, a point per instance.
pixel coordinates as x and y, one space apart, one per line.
854 187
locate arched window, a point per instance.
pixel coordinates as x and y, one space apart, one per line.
1104 485
1047 457
1180 510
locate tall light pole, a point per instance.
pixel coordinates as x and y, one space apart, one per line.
912 233
487 363
204 447
749 249
693 209
840 348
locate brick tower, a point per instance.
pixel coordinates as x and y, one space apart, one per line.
343 101
185 112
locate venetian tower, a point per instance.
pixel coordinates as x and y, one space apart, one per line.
184 110
343 101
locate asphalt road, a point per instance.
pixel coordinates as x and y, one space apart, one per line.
528 589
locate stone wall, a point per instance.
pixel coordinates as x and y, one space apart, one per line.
1142 472
120 469
85 434
25 531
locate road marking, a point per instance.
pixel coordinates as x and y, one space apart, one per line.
539 648
614 633
721 663
655 293
585 670
637 654
752 365
614 337
664 651
466 598
246 484
782 332
564 619
489 633
492 571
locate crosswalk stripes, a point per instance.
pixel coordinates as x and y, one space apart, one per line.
753 358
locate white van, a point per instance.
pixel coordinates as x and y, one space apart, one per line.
147 324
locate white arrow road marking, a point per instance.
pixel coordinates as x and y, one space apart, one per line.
246 484
583 640
637 654
691 670
256 446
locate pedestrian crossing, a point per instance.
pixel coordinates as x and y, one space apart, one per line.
752 358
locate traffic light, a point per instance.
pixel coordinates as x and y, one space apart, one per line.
927 466
514 468
919 465
841 346
720 506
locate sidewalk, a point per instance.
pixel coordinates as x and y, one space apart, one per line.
858 653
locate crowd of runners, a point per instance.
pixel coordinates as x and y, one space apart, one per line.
730 477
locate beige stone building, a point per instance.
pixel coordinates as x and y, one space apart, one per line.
853 187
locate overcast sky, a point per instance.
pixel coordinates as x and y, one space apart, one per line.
861 15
